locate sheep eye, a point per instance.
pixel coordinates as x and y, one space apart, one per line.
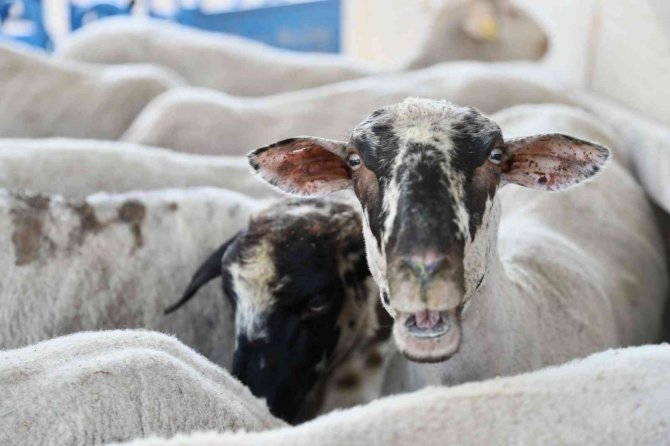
496 156
318 305
354 161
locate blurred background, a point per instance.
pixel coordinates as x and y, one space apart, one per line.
619 48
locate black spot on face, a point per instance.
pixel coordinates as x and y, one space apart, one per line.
348 380
474 137
377 147
374 359
426 217
385 298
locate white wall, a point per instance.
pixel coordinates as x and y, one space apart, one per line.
379 31
632 55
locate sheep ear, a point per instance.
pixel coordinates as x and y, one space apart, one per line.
551 162
209 270
304 166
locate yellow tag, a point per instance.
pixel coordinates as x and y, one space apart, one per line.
489 28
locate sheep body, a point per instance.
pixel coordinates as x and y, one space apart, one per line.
646 141
234 64
41 96
114 261
76 168
100 387
616 397
330 111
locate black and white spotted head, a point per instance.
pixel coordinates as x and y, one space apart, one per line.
426 173
303 297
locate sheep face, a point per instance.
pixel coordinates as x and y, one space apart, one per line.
303 297
426 174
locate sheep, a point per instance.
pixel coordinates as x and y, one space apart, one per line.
114 261
242 67
616 397
476 294
331 110
280 228
100 387
76 168
306 325
456 32
41 97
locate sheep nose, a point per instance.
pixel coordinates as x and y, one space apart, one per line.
424 269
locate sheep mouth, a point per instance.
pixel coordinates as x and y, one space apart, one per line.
428 335
428 324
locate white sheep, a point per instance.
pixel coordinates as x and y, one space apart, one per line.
243 67
559 276
108 386
41 96
76 168
115 261
232 126
616 397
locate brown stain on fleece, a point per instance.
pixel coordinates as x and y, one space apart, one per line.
30 212
133 212
28 221
88 222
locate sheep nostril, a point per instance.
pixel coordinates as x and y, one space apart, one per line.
424 271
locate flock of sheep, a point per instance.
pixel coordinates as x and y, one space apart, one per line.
126 204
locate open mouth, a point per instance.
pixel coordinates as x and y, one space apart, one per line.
428 335
428 324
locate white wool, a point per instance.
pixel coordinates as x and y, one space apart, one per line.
76 168
101 387
617 397
116 263
41 96
243 67
330 111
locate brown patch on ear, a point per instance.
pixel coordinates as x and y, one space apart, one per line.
551 162
304 166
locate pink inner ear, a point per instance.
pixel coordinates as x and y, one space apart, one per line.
304 167
552 161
